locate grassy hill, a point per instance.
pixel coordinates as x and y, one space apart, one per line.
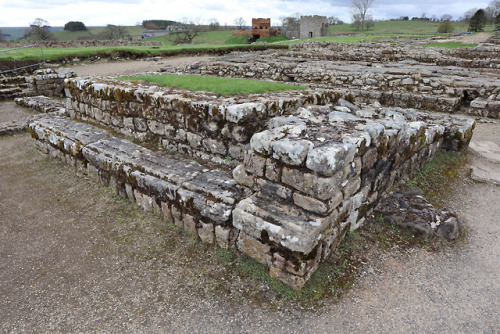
402 27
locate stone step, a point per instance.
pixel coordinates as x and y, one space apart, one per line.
193 196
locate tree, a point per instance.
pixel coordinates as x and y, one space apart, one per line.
39 30
187 30
214 24
333 20
445 27
360 8
478 21
75 26
446 17
469 14
492 10
240 23
113 32
497 22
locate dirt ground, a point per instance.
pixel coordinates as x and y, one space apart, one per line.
76 258
480 37
113 68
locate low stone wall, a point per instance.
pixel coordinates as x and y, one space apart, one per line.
47 82
320 172
196 124
484 56
312 165
402 84
194 197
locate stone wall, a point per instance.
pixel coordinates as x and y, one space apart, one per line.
483 56
312 165
313 26
195 124
404 84
320 172
47 82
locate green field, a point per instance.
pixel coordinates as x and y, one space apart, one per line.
449 45
402 27
222 86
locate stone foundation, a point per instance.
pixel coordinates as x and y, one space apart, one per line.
311 166
47 82
404 77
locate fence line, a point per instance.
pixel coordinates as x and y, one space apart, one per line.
22 67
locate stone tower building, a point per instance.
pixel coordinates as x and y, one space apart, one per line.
313 26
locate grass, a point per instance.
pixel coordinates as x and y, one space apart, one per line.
58 53
237 39
222 86
402 27
434 178
450 45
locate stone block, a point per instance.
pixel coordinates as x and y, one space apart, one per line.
310 204
222 236
328 160
189 224
322 188
254 163
254 248
291 152
206 232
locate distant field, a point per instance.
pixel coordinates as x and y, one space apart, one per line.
64 35
405 27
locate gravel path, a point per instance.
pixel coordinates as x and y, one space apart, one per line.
75 258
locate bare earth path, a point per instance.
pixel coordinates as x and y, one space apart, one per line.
113 68
74 258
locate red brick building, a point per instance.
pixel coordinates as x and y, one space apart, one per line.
261 28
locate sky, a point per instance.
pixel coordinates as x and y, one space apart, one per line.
20 13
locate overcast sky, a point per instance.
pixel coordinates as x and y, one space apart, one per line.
19 13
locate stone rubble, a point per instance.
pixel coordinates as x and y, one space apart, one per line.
407 208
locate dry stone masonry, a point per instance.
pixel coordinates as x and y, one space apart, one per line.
425 78
310 164
47 82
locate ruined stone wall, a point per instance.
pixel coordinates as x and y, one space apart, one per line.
484 56
47 82
312 167
195 124
324 170
313 26
398 84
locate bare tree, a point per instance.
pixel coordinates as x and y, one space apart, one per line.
446 17
214 24
39 30
360 8
2 37
333 20
187 30
468 14
492 10
113 32
240 22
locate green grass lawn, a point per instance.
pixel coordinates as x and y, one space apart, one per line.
449 45
58 53
221 86
403 27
